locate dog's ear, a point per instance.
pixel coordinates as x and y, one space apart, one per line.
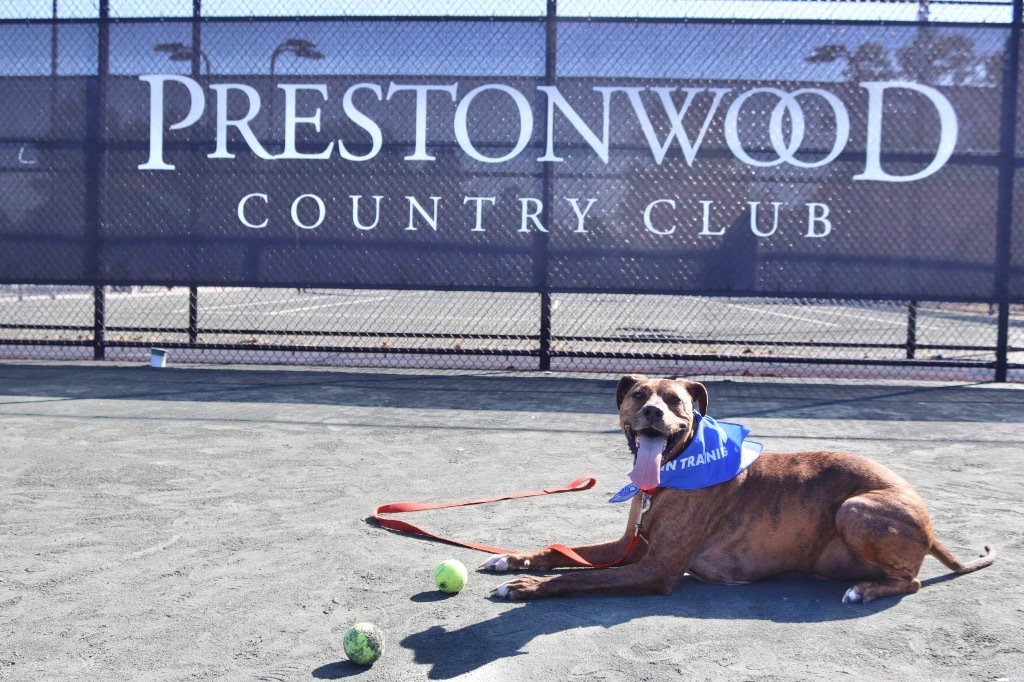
699 394
625 383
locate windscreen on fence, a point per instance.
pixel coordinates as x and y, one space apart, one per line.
857 160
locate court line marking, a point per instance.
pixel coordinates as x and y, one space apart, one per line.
329 305
791 317
255 303
957 318
848 313
81 296
310 297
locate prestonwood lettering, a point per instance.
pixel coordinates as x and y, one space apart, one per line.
786 122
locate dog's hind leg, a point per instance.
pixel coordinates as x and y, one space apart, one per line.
891 531
862 593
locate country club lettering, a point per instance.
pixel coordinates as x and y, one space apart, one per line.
663 216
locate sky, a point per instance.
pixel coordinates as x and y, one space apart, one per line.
983 11
656 50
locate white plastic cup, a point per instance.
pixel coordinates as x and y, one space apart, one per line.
157 357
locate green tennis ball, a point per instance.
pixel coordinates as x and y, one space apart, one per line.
364 643
451 576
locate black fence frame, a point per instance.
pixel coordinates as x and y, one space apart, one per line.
1007 162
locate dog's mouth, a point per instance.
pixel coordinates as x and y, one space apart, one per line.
650 447
650 437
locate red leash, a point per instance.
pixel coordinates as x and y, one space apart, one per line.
583 483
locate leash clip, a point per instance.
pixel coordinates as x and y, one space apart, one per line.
645 505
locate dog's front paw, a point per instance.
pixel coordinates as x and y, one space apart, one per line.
500 563
524 587
852 596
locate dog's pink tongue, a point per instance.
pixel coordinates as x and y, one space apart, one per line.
646 473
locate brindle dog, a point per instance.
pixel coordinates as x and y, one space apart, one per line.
828 514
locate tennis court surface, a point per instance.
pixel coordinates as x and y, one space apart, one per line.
211 523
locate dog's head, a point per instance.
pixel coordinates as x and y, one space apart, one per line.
656 416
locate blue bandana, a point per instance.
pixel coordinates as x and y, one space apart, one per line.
716 454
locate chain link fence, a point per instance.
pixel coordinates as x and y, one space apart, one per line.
486 330
105 261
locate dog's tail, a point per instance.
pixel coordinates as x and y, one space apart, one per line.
944 555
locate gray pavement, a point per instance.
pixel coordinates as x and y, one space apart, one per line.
212 524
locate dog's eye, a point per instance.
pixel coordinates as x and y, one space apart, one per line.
674 400
639 395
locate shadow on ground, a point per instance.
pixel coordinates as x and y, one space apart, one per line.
451 653
338 670
504 391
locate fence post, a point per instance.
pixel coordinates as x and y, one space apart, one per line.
193 315
1007 169
541 267
911 330
93 163
99 323
193 291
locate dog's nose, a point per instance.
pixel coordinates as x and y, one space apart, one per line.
652 412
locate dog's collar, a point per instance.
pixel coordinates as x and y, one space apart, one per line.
717 453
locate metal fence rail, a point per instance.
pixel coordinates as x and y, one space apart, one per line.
588 332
